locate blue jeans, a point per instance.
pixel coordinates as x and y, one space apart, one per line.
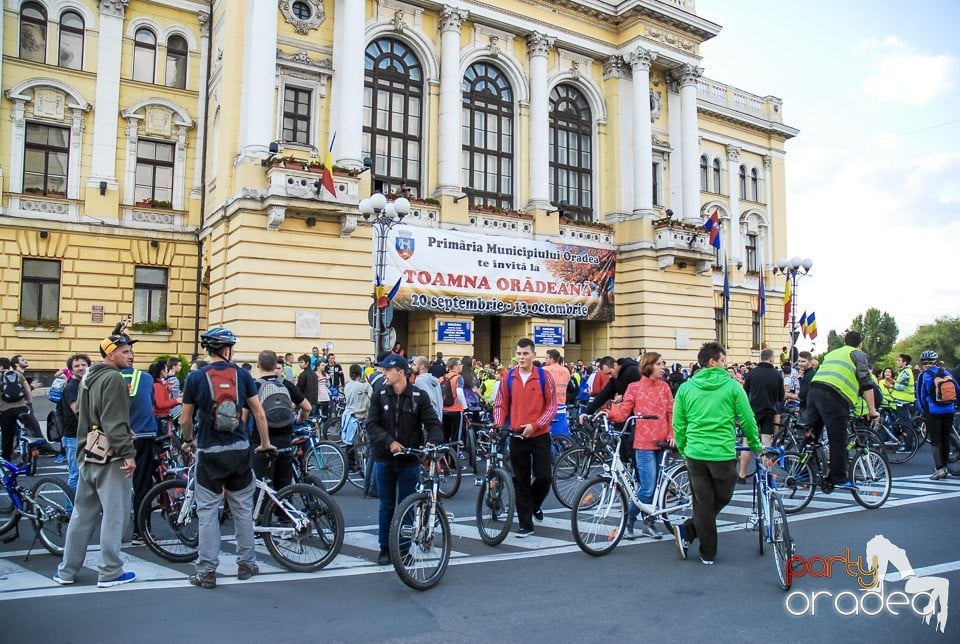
648 466
73 470
393 485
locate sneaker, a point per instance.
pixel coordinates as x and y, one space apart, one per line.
136 540
383 558
206 580
246 571
538 514
939 474
741 480
60 580
125 578
680 540
60 460
706 562
523 533
630 534
846 485
651 531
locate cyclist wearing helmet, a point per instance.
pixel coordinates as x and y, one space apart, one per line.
937 414
223 452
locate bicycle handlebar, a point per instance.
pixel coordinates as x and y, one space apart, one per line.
427 452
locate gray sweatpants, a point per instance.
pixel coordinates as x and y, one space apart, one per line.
103 497
208 512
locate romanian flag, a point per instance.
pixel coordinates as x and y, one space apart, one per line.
761 296
803 324
812 326
327 177
712 226
787 300
726 292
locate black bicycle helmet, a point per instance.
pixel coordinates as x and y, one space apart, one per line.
929 357
217 338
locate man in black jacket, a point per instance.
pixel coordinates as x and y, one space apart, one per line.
400 416
764 387
625 371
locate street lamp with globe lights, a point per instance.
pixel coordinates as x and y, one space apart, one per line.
382 215
793 269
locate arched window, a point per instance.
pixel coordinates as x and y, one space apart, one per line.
487 136
571 152
33 32
176 72
144 55
71 40
755 185
716 176
392 116
704 174
743 182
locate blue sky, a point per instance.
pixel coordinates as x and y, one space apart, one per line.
873 179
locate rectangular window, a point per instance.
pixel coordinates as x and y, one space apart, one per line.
572 331
757 331
753 264
149 294
718 324
40 289
154 180
296 115
656 185
46 154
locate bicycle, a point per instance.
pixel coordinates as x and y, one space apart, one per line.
301 525
579 464
359 460
768 517
420 530
809 468
321 459
48 505
901 441
953 457
497 500
599 515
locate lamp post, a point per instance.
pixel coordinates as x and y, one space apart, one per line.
382 215
793 269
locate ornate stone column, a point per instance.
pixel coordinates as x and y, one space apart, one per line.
348 60
687 76
616 70
733 203
103 164
538 45
204 19
257 118
641 61
767 195
449 180
676 154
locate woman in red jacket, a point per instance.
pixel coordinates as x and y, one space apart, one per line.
162 401
648 396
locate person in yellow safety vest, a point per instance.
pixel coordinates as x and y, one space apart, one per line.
561 376
860 409
834 392
903 394
886 381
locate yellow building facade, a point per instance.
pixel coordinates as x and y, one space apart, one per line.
161 160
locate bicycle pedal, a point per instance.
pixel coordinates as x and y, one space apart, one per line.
477 482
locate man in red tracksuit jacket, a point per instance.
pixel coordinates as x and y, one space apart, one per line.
526 403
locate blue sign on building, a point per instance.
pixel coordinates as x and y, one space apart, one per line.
455 331
548 335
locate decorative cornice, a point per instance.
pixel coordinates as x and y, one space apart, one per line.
451 19
539 44
641 59
615 67
302 57
115 8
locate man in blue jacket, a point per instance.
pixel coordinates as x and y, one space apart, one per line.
936 414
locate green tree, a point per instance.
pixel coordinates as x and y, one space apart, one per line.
834 341
879 331
943 336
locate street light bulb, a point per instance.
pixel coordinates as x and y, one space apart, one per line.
390 211
782 263
378 201
366 209
807 264
402 206
795 261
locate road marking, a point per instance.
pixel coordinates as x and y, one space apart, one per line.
926 571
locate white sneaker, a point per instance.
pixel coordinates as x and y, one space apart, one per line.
939 474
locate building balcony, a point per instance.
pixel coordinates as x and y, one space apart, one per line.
574 232
501 222
678 244
303 184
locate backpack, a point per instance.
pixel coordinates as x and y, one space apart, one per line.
447 392
944 389
224 413
11 389
56 388
543 386
473 400
586 384
277 404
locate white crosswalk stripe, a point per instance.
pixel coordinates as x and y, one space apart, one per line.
23 579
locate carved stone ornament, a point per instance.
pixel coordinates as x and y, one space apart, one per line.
347 225
203 17
302 57
733 153
642 59
45 207
656 105
687 74
48 103
157 121
303 26
616 67
451 19
145 217
398 20
275 215
114 8
767 161
538 44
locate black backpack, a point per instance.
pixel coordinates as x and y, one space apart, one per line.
446 390
11 389
277 404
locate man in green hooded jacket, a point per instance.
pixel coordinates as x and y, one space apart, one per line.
705 412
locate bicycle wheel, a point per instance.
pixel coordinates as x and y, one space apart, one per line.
448 469
599 516
901 442
330 429
795 482
953 458
571 470
355 473
675 497
496 504
305 530
168 522
328 463
780 538
53 501
871 474
419 546
759 505
6 507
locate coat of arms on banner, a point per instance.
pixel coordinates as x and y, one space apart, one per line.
405 247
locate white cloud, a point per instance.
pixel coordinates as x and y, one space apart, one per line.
905 76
